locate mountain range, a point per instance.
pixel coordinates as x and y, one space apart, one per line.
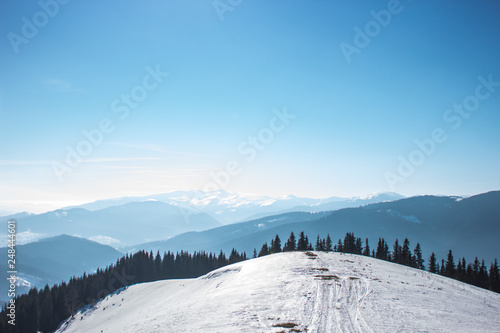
469 226
229 208
129 221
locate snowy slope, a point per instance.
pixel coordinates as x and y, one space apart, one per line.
331 292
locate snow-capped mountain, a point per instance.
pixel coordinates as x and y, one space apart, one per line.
470 227
114 221
297 292
229 208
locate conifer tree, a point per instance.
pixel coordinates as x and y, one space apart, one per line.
339 247
264 251
419 261
450 265
433 268
494 277
382 250
290 244
483 279
366 250
442 270
328 246
396 252
319 244
302 243
406 257
276 245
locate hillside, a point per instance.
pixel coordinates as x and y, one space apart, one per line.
53 260
322 292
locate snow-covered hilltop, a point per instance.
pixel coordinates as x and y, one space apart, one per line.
298 292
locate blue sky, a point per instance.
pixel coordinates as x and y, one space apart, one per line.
352 119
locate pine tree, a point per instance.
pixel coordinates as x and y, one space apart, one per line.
433 266
328 247
359 246
254 253
276 245
302 243
319 244
419 261
494 282
450 265
382 250
290 244
366 250
483 279
396 252
349 243
406 257
460 272
264 251
339 247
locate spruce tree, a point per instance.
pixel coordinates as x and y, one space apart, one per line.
328 247
406 258
483 279
494 276
276 245
319 244
442 270
302 243
366 250
419 261
339 247
264 251
433 268
450 265
290 244
396 252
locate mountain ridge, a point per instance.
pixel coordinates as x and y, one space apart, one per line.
470 227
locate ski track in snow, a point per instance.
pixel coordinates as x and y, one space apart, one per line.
337 302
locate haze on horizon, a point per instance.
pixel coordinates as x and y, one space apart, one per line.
316 99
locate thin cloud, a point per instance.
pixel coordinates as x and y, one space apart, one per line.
156 148
142 147
21 163
60 85
90 160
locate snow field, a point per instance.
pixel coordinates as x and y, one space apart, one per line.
298 292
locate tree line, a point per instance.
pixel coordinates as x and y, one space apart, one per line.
475 273
43 310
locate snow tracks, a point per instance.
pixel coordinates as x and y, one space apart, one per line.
335 303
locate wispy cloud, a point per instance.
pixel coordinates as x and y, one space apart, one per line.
21 163
121 159
157 148
94 160
136 146
60 85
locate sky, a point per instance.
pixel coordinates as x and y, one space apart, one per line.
102 99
